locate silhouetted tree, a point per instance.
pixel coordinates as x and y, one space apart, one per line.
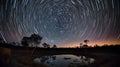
85 45
54 46
81 44
34 39
45 45
25 41
96 45
86 41
1 40
105 45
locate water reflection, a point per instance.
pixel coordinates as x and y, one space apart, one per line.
45 59
64 60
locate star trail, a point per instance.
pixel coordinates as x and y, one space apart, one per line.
61 22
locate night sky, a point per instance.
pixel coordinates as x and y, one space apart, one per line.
61 22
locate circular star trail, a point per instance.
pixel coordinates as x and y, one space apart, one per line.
61 21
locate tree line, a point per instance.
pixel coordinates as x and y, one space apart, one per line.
34 41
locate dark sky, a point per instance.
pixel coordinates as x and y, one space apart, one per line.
61 22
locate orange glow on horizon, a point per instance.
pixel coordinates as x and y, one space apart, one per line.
99 43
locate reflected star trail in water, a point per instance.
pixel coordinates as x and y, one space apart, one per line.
60 21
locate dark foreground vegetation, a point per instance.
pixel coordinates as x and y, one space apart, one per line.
106 56
88 50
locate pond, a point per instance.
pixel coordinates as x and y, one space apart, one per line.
64 60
